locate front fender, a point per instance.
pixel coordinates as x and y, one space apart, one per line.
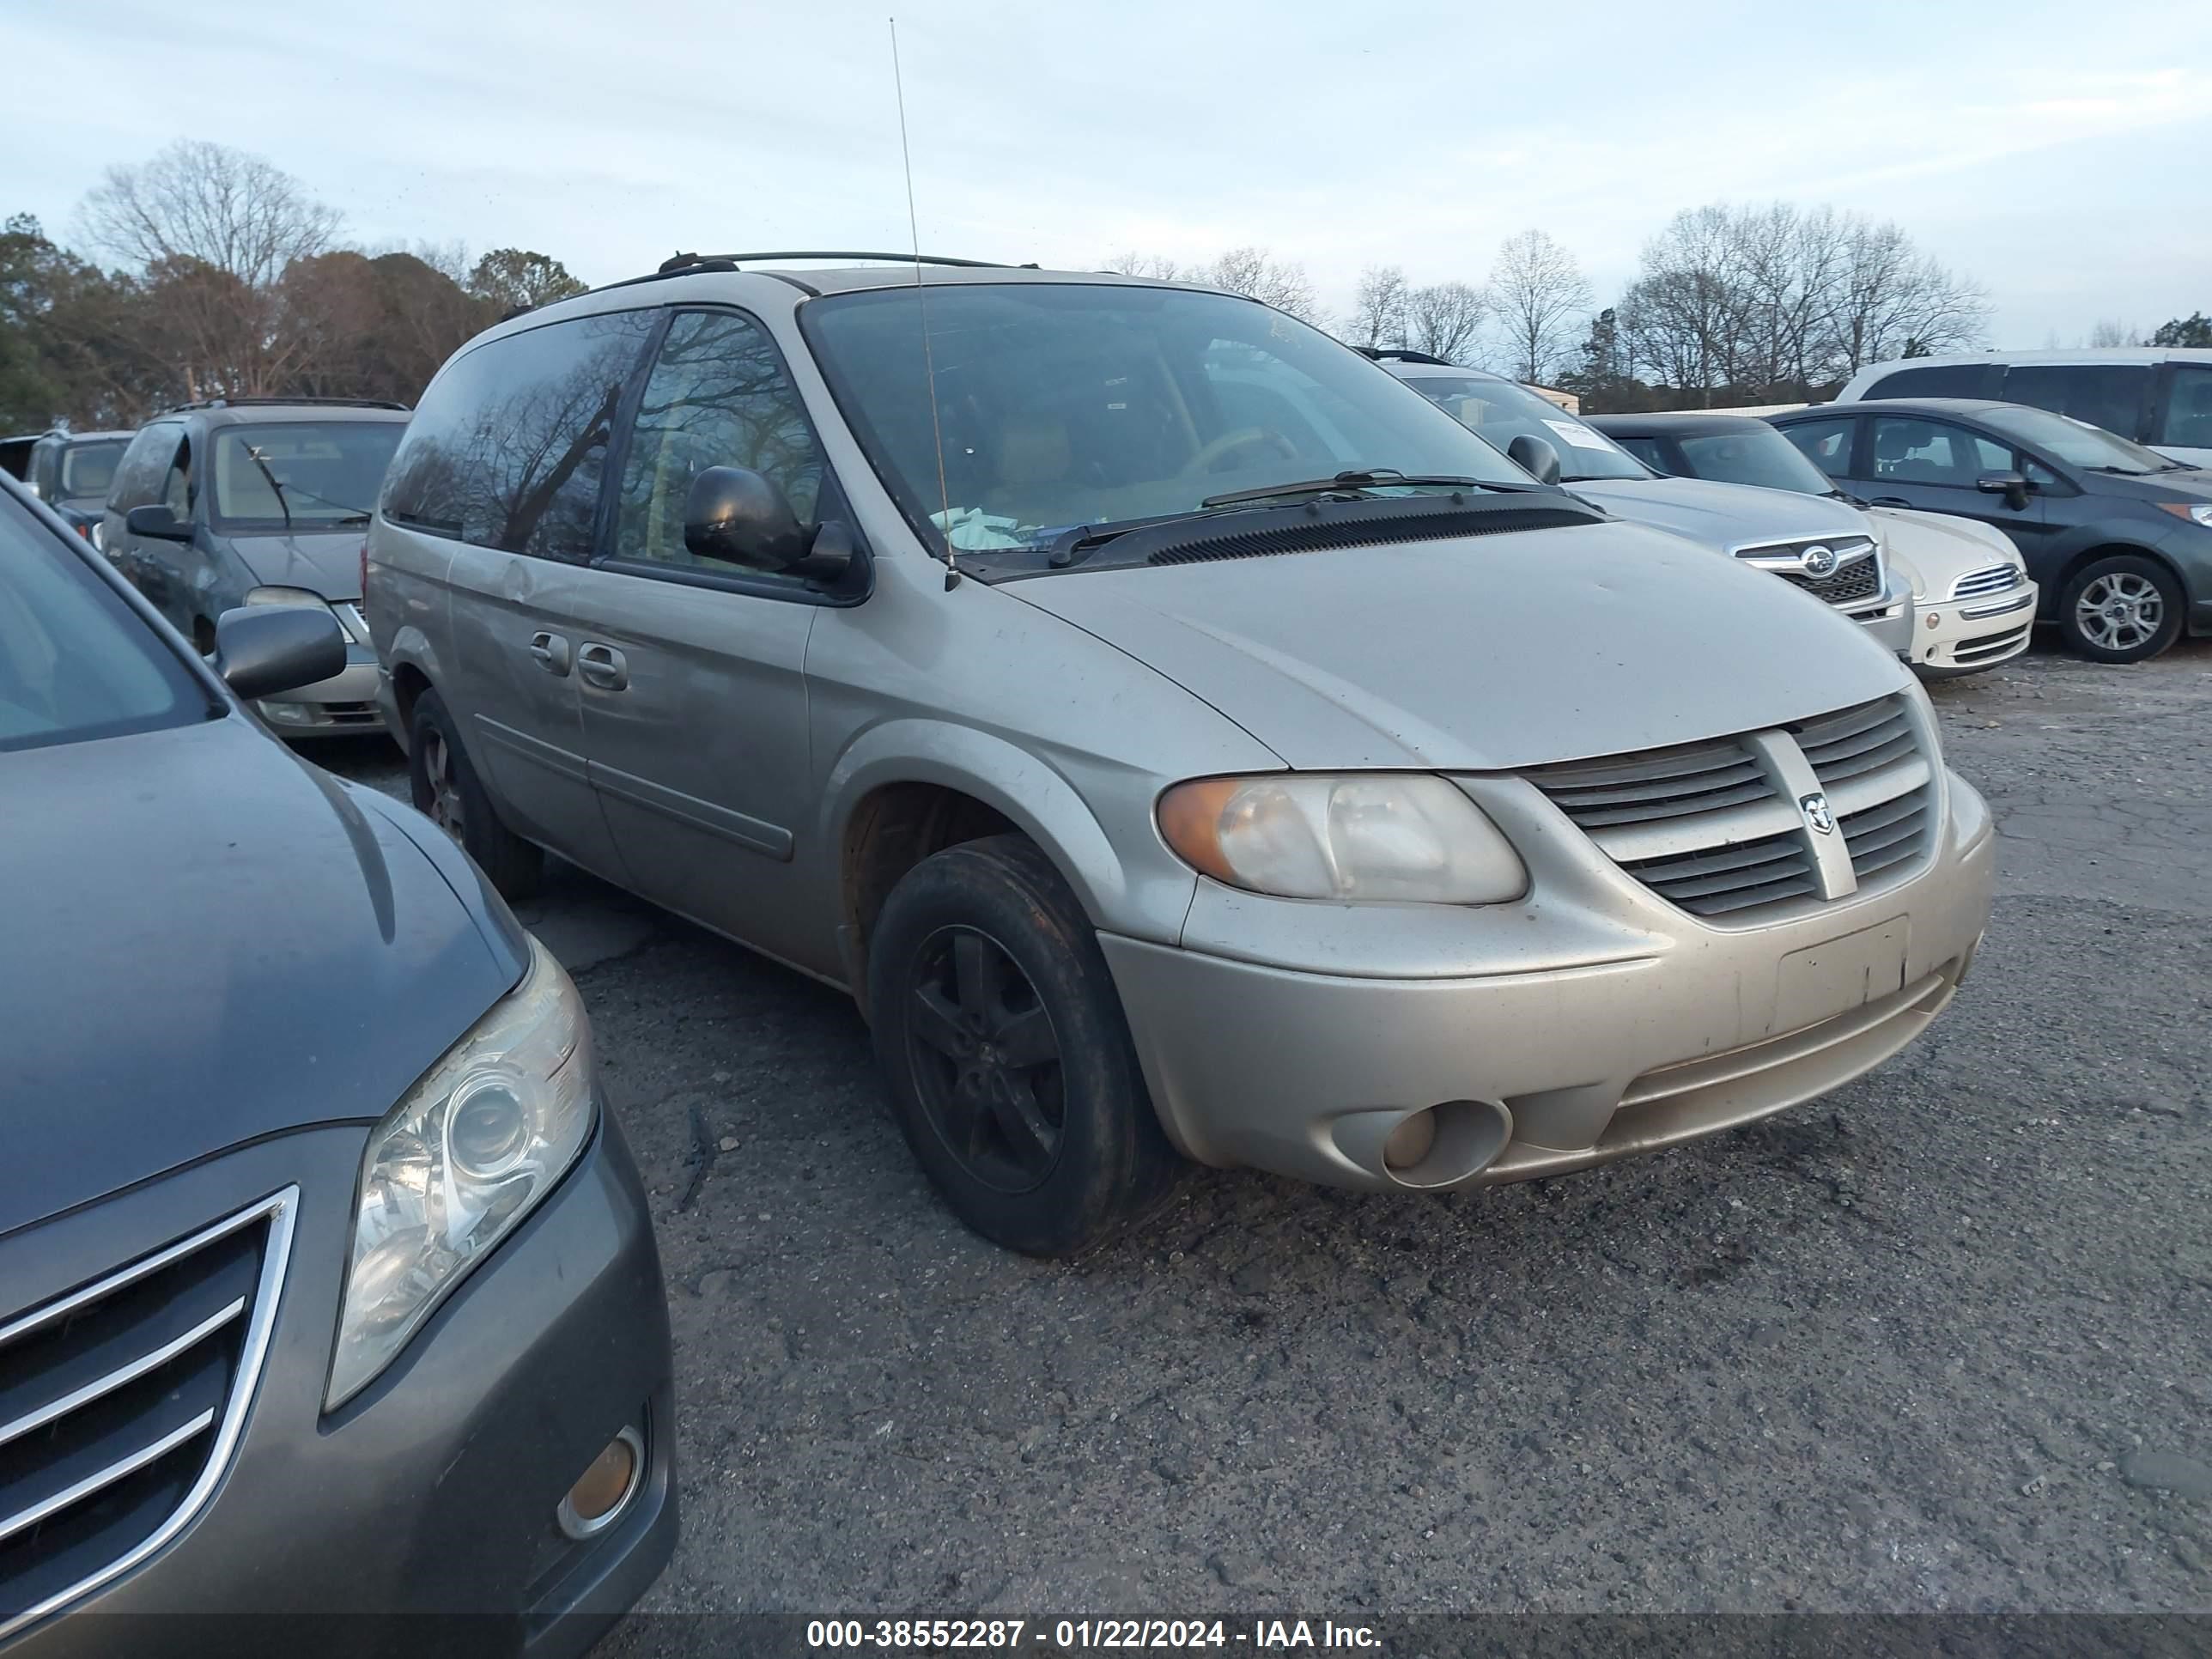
1142 896
2172 543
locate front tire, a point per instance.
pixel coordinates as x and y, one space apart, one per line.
2121 608
1006 1054
447 790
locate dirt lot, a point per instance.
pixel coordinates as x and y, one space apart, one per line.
1942 1341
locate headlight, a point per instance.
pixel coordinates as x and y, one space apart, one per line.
454 1167
2194 512
1375 836
286 596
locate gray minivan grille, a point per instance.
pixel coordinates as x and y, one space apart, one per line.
1710 828
120 1403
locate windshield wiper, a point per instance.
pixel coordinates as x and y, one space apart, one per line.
283 505
1357 479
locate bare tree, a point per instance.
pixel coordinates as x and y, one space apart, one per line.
1283 284
1158 266
2108 332
1444 319
1892 300
1538 292
1378 309
220 208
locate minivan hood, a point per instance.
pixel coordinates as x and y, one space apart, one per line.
1722 516
1483 652
208 940
327 562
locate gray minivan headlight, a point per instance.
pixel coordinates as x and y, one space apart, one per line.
1377 836
453 1168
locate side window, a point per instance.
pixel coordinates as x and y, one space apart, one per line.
1648 451
139 476
509 443
2188 420
177 487
2109 395
718 396
1826 444
1939 381
1907 450
2037 474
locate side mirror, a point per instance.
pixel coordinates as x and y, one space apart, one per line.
737 516
1534 457
262 650
2010 485
156 520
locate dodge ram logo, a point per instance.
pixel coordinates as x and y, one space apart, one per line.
1815 809
1819 560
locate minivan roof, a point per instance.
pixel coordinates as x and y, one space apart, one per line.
2079 354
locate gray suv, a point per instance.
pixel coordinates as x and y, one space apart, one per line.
259 500
1183 739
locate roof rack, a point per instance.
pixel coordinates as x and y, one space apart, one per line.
682 262
1404 355
263 402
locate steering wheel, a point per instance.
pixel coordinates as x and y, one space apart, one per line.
1244 437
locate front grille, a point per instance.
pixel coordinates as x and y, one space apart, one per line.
1850 583
1739 877
1711 828
1993 579
350 713
1658 783
120 1403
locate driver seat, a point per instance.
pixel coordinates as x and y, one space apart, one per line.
1032 450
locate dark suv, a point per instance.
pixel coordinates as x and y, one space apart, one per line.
2118 537
71 471
260 502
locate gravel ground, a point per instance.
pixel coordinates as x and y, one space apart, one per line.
1939 1341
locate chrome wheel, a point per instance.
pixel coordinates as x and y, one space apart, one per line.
2120 611
443 788
986 1060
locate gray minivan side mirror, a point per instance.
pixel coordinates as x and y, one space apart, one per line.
736 516
1535 457
154 519
262 650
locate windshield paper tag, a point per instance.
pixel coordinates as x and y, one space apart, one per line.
1581 436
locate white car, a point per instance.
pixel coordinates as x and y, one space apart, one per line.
1973 606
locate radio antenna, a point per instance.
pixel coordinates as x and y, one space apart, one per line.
922 306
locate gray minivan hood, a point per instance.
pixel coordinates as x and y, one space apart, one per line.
1481 653
1720 515
327 561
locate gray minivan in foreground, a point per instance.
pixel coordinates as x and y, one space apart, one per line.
1183 739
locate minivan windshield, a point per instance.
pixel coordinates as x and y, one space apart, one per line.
88 468
75 662
1061 404
2074 443
1756 455
321 475
1501 410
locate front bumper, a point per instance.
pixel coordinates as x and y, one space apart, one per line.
344 705
1890 623
434 1492
1963 636
1601 1020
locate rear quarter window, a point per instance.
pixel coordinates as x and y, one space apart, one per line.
1940 380
2114 395
508 447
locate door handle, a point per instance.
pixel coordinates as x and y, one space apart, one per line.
1889 501
549 651
603 666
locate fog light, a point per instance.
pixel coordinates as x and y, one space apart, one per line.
1409 1143
603 1491
288 714
1935 619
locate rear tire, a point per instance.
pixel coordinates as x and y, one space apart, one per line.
448 792
2121 608
1006 1054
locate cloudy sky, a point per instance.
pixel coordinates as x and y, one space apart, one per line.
2060 155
